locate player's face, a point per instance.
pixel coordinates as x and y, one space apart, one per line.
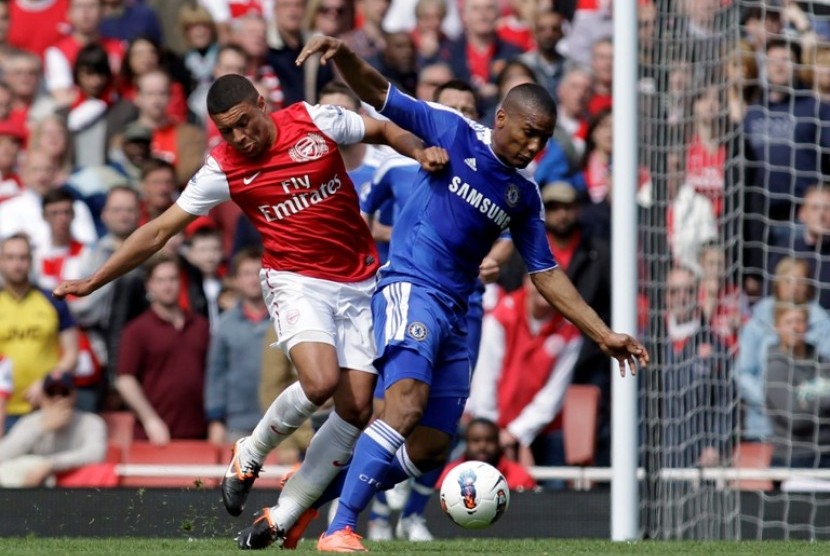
519 135
483 444
246 128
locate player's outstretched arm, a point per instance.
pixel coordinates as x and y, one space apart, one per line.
141 244
559 291
385 132
364 80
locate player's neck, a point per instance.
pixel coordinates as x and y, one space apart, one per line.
353 155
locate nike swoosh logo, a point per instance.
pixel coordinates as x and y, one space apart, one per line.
249 179
279 432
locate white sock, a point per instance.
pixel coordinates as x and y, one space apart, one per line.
286 414
333 443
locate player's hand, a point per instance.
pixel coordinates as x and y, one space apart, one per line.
432 159
488 270
625 349
327 47
78 288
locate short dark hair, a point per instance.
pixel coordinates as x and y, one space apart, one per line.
794 48
530 96
484 423
156 261
94 59
338 88
204 232
56 196
233 48
454 85
246 254
124 189
228 91
155 164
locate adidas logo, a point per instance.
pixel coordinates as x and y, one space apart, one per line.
471 162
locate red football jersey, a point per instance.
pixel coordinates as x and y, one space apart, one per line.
298 195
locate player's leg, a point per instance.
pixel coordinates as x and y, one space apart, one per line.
303 311
380 527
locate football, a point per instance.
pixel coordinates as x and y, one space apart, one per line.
474 495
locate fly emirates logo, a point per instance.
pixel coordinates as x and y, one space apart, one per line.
302 198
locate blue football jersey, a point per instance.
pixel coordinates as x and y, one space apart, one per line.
392 182
452 217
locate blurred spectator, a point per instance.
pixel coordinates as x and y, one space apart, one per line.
690 218
6 386
276 375
791 285
598 155
697 418
38 24
528 353
482 444
397 61
602 67
229 59
741 73
430 78
479 55
168 14
55 439
517 17
226 13
37 333
328 17
287 38
250 34
84 18
64 257
5 95
574 92
103 314
235 357
402 16
161 361
131 152
12 136
201 276
591 22
815 72
724 305
200 59
24 213
158 187
431 43
706 152
51 136
144 57
797 393
5 27
546 62
127 19
810 241
786 132
180 144
515 72
23 72
586 258
368 40
93 97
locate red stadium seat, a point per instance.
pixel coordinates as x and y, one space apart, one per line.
177 452
752 455
579 423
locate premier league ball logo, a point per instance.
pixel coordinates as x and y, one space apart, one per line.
467 484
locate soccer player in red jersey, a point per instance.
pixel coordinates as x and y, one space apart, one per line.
285 172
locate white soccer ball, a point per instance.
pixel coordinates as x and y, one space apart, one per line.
474 495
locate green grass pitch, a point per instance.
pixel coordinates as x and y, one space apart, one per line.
138 547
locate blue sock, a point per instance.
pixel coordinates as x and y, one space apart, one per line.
373 455
422 489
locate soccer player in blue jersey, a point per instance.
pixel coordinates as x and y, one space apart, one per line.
443 233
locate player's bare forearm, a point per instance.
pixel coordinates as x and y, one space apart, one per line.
137 248
559 291
364 80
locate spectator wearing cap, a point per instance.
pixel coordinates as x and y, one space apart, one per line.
131 151
37 332
55 439
586 259
12 136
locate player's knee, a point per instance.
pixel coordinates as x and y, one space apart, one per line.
403 416
355 414
319 389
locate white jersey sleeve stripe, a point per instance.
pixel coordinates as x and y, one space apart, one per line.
342 126
206 189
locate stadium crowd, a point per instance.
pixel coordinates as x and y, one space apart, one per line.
103 121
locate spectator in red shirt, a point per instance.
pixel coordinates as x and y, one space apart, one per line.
482 438
38 24
602 66
23 72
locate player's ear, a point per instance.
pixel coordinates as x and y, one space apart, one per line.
260 102
501 118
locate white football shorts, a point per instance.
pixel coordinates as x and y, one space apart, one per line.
306 309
